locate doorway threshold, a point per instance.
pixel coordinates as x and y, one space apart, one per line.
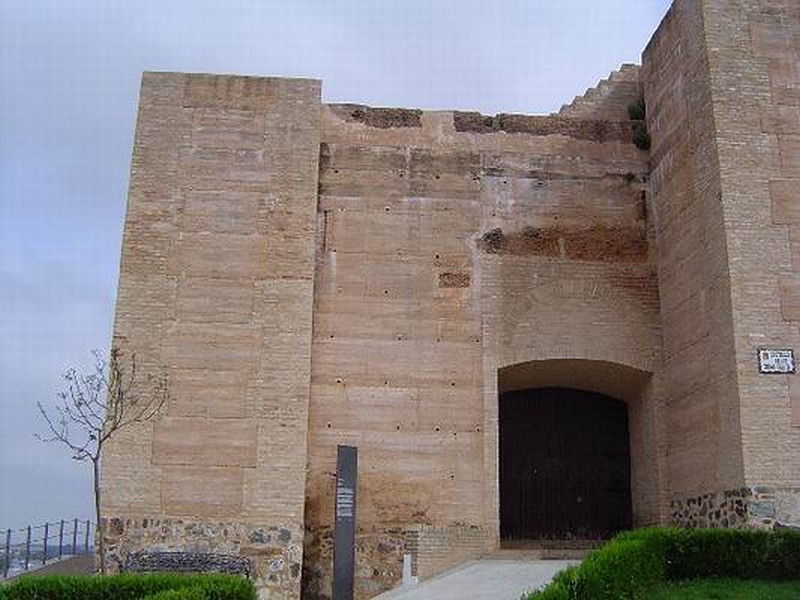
546 549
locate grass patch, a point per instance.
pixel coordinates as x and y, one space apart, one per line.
726 589
162 586
637 562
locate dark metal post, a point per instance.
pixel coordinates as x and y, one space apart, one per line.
7 566
28 549
344 536
61 539
46 535
74 536
86 541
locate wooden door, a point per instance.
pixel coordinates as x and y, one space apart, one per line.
564 465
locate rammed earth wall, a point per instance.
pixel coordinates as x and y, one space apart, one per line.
216 285
721 85
411 301
313 275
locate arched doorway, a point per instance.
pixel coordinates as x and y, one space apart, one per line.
564 465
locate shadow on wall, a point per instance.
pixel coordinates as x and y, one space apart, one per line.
636 388
602 377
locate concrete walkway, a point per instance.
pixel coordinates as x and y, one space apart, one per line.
495 579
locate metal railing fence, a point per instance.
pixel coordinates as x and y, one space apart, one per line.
29 547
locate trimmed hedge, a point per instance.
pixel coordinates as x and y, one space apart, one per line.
636 561
565 585
625 568
734 553
160 586
189 593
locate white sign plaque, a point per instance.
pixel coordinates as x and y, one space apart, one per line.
771 360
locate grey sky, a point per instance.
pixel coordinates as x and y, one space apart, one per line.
69 76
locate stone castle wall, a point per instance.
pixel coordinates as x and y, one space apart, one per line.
381 553
446 243
608 100
755 76
313 275
702 404
216 284
720 82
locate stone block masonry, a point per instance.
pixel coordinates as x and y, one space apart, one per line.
702 428
380 554
216 285
720 82
411 303
757 507
318 274
274 553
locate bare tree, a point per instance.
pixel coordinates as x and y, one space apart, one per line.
94 406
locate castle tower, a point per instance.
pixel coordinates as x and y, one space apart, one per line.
530 326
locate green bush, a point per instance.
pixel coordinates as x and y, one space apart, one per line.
638 110
782 560
641 137
741 554
229 588
128 587
566 585
624 570
634 562
188 593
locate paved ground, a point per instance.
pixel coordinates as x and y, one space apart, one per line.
495 579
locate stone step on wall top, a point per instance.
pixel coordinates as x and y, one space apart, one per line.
609 99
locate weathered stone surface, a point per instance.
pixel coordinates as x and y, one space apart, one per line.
271 554
216 286
384 118
758 507
312 275
379 556
594 243
597 131
186 562
190 441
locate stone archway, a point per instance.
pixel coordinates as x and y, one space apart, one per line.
632 388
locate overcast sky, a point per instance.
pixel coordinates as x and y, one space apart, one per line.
69 77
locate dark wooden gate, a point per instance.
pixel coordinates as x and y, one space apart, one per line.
564 465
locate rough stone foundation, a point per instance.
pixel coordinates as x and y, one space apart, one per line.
722 509
275 553
379 562
379 556
759 507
